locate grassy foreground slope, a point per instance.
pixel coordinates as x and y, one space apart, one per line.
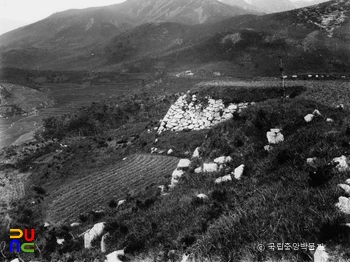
277 200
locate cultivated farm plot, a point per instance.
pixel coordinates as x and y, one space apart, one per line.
96 189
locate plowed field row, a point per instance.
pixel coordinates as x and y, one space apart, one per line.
95 190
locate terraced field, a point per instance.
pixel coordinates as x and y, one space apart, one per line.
96 189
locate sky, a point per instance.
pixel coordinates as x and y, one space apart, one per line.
29 11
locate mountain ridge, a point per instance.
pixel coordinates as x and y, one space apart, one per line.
308 34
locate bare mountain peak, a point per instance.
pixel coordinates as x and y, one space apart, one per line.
267 6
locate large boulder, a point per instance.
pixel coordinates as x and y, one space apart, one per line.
92 233
184 163
238 172
207 167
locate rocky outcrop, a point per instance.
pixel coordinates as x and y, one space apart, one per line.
188 113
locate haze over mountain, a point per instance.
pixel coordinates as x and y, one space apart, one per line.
301 3
313 38
271 6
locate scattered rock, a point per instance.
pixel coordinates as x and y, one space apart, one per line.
196 153
340 107
103 242
114 256
207 167
184 163
198 170
121 202
347 181
174 182
223 179
202 196
329 120
274 136
268 148
154 150
75 224
320 254
311 161
342 163
170 151
344 205
177 173
46 224
92 233
223 160
345 187
185 258
238 172
308 118
59 241
316 113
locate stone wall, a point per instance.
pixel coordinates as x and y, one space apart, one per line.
188 113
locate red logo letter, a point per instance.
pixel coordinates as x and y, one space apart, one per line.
26 235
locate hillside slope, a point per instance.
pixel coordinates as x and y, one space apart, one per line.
312 39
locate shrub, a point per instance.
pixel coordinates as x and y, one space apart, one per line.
39 190
112 204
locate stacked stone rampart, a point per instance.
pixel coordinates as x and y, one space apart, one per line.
188 113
